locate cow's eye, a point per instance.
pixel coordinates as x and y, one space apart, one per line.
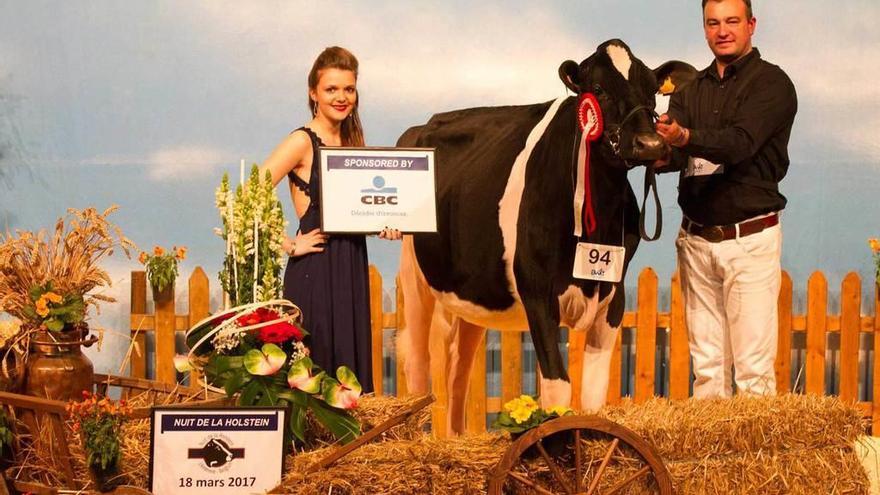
597 90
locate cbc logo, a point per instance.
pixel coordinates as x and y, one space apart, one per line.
379 194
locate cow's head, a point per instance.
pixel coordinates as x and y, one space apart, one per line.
625 89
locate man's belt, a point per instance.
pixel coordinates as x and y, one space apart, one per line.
718 233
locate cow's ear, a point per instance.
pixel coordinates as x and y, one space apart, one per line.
674 75
568 72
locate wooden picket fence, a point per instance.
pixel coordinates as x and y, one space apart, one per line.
645 321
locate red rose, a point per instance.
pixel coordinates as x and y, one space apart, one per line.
280 332
260 315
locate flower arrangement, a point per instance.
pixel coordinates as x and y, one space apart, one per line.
524 413
874 243
254 350
47 282
99 422
253 228
162 266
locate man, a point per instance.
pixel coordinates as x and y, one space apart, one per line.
728 131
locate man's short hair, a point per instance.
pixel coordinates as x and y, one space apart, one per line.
748 3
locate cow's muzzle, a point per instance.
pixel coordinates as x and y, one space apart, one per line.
644 147
648 146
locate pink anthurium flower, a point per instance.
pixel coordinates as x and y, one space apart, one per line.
182 363
344 393
267 361
300 376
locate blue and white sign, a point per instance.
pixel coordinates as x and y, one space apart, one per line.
368 189
211 451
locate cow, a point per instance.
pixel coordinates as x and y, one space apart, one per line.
508 226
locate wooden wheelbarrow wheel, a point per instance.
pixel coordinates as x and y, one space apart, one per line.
574 471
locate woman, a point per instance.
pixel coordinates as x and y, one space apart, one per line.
326 275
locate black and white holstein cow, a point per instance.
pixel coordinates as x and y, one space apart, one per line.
509 189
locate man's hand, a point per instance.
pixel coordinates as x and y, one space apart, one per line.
671 132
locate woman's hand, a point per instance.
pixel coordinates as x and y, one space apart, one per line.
303 244
390 234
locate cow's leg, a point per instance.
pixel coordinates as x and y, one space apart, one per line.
597 361
465 343
418 311
543 316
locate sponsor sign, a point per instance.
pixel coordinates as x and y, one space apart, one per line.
215 451
364 190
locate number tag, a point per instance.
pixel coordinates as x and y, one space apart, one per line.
598 262
700 166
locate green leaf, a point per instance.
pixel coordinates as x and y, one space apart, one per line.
54 324
297 422
249 393
341 424
235 381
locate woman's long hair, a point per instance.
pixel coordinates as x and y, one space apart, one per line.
336 57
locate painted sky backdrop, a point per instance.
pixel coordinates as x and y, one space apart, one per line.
145 104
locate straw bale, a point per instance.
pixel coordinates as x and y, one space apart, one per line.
702 428
424 465
373 411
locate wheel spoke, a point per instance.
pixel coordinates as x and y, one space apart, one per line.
529 483
629 480
577 461
554 468
601 470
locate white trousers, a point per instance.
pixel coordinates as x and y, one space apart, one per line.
730 292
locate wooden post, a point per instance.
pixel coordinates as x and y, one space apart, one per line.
875 419
646 335
165 329
613 396
850 323
679 349
376 327
475 417
817 305
139 306
511 366
577 339
783 345
199 307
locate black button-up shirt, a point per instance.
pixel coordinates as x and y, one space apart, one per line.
741 121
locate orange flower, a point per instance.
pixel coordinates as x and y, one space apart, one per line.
875 244
52 297
143 257
42 308
158 251
181 253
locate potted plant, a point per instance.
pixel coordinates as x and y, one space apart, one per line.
48 283
523 413
99 422
161 268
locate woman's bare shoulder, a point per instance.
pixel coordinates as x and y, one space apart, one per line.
289 154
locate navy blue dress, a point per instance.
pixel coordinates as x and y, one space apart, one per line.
332 289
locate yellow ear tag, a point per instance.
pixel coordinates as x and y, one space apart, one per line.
667 88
